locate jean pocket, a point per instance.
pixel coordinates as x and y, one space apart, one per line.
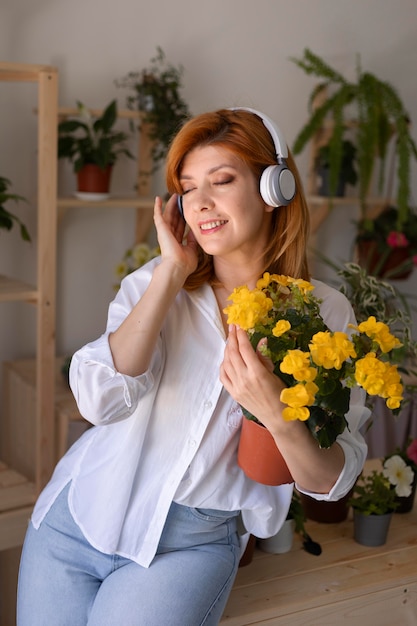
213 515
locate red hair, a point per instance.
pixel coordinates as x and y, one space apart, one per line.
244 134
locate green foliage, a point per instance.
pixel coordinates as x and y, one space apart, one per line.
373 495
8 219
379 113
347 164
87 140
157 93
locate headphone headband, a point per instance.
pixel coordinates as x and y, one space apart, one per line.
281 149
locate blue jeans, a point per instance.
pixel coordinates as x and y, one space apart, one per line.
64 581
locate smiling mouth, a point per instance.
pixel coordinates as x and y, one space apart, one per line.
213 224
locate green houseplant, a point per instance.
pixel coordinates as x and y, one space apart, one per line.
92 145
383 249
373 503
8 219
157 94
380 114
347 173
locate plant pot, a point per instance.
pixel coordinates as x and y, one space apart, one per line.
259 456
326 512
406 503
397 265
282 541
324 187
371 530
92 179
247 556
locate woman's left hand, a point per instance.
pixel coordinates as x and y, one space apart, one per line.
248 377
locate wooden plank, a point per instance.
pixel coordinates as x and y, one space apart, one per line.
303 591
12 290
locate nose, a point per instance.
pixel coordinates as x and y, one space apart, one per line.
197 200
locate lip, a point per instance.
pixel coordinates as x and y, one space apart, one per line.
210 226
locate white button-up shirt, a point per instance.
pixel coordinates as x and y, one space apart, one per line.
172 433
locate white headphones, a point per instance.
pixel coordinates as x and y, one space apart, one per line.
277 184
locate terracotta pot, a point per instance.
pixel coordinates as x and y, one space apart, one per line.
259 456
371 530
370 258
247 556
326 512
92 179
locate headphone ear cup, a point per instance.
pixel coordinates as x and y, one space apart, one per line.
277 185
180 207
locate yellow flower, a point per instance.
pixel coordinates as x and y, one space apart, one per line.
281 327
303 285
379 332
331 350
379 379
249 307
291 414
299 395
297 363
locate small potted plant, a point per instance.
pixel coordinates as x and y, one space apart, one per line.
386 249
133 258
403 465
373 503
294 523
157 94
8 219
347 173
93 146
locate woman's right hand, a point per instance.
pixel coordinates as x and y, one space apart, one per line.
170 227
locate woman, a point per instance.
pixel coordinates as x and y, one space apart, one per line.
144 519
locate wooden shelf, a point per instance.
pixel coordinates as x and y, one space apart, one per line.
122 202
12 290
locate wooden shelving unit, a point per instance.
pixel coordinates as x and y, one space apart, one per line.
18 490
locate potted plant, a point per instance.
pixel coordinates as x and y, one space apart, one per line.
93 146
403 464
380 115
319 367
157 94
133 258
294 523
373 503
384 250
8 219
347 174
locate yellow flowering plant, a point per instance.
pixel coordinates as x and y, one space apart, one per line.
318 366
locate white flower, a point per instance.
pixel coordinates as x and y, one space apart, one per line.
399 474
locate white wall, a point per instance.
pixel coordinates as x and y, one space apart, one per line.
235 52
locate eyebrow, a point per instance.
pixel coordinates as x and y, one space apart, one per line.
211 170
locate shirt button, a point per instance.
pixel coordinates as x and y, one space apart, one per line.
192 443
207 404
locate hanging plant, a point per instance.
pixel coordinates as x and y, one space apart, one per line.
157 94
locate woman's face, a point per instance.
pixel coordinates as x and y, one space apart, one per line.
222 204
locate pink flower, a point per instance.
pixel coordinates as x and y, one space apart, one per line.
414 259
412 451
397 240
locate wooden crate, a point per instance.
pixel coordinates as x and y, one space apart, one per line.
17 428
